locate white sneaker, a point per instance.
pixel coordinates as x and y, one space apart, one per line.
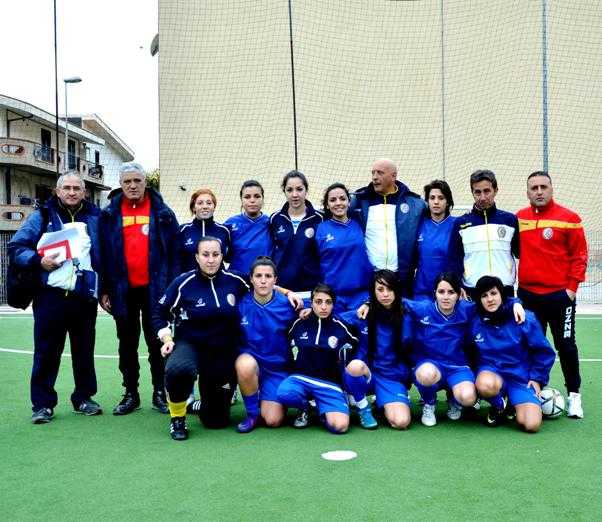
428 415
454 410
575 410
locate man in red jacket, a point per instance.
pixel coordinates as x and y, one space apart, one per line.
552 264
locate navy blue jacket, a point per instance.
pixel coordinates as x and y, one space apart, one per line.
163 264
324 347
191 233
296 253
203 310
409 208
22 247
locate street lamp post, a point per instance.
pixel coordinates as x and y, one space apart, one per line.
72 79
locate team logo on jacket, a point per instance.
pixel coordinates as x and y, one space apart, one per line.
200 303
405 208
183 315
420 238
231 299
234 226
364 330
329 237
144 229
425 320
479 338
333 341
188 242
163 299
304 336
309 233
244 321
501 232
280 230
548 233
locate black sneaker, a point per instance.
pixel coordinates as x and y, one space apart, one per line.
88 408
160 402
128 404
178 429
496 417
194 407
42 416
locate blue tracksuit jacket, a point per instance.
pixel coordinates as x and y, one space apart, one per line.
249 238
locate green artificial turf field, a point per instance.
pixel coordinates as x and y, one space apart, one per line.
127 468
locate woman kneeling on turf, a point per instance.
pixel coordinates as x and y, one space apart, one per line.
514 361
323 345
202 305
263 363
381 348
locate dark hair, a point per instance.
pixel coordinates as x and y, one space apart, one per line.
251 183
324 289
483 175
206 239
451 278
484 284
445 190
198 193
539 173
294 174
328 213
263 261
378 313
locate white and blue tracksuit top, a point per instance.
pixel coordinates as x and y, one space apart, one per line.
265 329
250 237
486 241
295 251
435 336
324 347
385 360
204 310
191 233
519 352
434 255
344 263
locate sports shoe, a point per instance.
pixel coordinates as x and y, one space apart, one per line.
193 406
42 416
159 401
428 415
178 429
496 417
88 408
367 420
129 403
575 410
454 410
249 424
235 397
302 419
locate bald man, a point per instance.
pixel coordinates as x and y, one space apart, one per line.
390 215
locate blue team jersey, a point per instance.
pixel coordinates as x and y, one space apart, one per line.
435 336
434 256
517 351
385 360
323 346
250 237
344 263
264 330
189 236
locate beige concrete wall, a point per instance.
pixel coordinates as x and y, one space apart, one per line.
369 84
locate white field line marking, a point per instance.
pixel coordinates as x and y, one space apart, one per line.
98 356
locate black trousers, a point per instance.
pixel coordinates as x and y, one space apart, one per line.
128 332
558 311
56 314
217 380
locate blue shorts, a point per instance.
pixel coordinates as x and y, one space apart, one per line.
329 397
388 390
269 380
518 392
450 373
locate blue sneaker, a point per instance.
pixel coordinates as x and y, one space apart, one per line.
367 420
247 425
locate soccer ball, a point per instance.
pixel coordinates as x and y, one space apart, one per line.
552 403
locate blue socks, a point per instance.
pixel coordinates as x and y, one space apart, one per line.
428 393
252 404
357 386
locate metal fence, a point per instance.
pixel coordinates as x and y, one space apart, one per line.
4 239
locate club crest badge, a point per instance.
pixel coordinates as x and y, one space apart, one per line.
404 208
548 233
309 233
501 232
333 341
231 299
144 229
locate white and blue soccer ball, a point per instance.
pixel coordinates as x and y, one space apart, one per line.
553 404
